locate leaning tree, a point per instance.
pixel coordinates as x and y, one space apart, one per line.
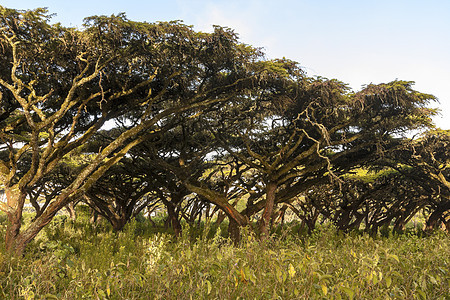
59 86
426 164
299 132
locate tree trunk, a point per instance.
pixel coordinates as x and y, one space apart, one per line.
357 223
345 218
279 218
220 217
149 218
268 209
173 218
222 202
447 225
94 217
16 240
434 220
12 236
399 224
15 202
118 223
311 221
234 231
71 210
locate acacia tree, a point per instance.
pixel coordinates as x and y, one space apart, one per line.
299 131
426 163
412 176
121 194
136 182
184 162
60 85
374 202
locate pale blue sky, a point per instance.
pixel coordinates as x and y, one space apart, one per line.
355 41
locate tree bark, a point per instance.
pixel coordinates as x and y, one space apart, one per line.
434 220
234 231
14 201
173 218
279 219
220 217
118 223
71 210
221 201
447 225
17 240
264 222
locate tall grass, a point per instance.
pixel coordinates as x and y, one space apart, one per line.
80 261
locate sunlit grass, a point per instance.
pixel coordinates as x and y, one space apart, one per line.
81 261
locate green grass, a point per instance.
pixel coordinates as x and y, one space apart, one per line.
79 261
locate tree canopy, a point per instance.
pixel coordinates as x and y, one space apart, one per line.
122 115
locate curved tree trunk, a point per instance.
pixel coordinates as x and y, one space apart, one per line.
434 220
235 217
17 240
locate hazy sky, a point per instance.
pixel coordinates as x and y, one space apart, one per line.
356 41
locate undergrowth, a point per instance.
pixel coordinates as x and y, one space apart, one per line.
80 261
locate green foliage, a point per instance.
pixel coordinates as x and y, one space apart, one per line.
194 120
177 97
138 263
366 175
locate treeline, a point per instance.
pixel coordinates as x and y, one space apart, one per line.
125 116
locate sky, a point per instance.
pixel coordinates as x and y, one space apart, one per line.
356 41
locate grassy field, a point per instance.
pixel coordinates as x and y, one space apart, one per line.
79 261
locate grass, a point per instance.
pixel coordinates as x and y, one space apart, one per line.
80 261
